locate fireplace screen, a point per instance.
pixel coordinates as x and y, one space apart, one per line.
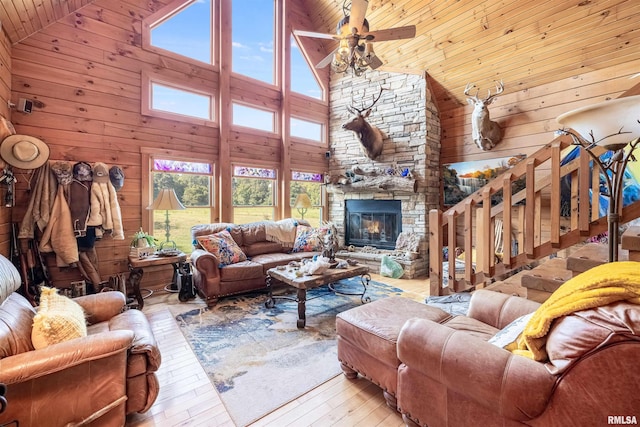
373 223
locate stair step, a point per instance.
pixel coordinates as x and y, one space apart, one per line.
592 255
631 242
548 276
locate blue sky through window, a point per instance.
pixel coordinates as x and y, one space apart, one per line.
253 34
187 33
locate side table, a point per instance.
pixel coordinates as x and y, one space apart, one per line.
137 266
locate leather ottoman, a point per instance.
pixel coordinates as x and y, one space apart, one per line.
367 337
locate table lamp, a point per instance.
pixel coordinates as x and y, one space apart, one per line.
302 204
167 201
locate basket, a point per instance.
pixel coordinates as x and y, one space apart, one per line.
142 252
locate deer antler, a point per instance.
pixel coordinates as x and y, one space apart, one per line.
370 106
499 90
468 88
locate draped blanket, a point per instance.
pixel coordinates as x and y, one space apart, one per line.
283 231
600 286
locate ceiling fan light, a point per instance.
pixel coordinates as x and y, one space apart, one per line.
368 49
344 48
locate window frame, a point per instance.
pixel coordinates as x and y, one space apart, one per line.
146 190
148 79
323 131
276 183
167 12
276 120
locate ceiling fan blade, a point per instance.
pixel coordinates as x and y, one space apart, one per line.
407 32
327 60
314 34
358 12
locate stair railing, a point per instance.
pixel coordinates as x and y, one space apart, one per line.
532 227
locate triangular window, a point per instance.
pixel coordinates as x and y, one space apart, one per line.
303 80
196 43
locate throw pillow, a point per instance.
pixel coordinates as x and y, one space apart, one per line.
223 246
509 334
309 239
58 319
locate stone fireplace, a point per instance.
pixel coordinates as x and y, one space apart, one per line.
406 174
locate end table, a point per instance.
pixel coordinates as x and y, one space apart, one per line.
137 266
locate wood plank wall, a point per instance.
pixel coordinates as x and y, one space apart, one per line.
5 95
528 117
84 73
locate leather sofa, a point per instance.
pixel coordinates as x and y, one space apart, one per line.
94 380
213 282
448 377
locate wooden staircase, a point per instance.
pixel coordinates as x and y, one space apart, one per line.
539 282
524 207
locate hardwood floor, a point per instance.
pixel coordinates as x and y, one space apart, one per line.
187 397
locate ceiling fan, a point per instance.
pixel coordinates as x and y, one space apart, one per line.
355 50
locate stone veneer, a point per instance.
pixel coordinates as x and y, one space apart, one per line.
408 118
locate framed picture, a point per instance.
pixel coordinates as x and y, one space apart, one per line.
464 178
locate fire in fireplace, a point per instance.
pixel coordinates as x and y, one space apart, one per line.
373 223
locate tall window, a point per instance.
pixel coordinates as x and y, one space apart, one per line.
187 31
192 183
254 195
311 184
253 35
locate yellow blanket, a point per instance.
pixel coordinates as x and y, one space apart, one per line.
602 285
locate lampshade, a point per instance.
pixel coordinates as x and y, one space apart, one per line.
167 200
604 119
302 201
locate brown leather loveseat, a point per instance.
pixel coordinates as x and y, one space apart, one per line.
94 380
213 281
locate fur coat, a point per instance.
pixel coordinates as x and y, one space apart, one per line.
105 208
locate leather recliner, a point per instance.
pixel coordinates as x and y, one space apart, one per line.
94 380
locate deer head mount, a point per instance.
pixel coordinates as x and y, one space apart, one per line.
370 136
485 132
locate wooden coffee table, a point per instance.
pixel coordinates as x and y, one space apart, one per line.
303 283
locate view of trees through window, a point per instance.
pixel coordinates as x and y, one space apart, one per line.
310 183
194 192
253 192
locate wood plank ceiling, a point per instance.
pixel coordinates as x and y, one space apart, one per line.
21 18
525 44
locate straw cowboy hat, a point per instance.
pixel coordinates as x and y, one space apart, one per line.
24 152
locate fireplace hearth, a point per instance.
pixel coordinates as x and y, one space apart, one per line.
374 223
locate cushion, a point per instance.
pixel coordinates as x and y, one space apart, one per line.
309 239
509 334
572 337
58 319
223 246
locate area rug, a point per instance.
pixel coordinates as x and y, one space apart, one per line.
257 359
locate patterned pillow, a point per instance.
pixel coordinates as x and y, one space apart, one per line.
223 246
309 239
